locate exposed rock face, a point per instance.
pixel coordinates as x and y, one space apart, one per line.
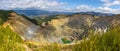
26 29
104 24
70 28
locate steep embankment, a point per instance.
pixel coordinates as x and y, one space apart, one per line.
63 29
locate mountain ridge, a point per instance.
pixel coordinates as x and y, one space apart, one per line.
33 13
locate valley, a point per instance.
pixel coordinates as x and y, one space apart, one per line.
74 32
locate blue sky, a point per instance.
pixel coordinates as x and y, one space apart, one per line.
105 6
74 3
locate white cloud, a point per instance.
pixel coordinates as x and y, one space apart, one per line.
105 1
109 3
86 8
53 5
107 10
23 4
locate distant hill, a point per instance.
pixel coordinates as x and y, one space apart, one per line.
98 13
39 12
35 12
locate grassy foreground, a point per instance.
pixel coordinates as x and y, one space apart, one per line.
109 41
9 40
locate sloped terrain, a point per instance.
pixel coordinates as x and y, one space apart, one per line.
67 32
72 28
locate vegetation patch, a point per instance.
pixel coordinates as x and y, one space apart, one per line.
9 40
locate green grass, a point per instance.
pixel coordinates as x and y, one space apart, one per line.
9 40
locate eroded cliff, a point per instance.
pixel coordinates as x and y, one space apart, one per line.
62 30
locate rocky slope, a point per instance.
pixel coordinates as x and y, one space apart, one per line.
62 30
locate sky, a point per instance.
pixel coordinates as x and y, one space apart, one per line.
104 6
